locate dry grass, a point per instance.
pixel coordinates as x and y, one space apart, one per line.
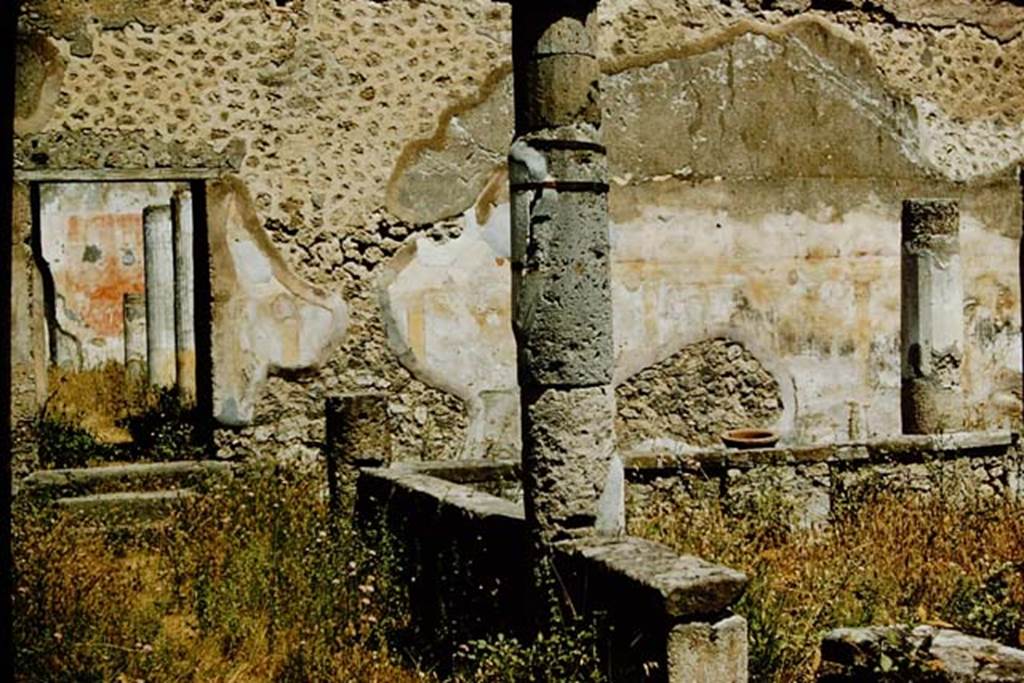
252 583
887 559
97 399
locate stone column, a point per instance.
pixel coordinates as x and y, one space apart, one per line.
932 331
357 434
184 294
561 294
158 241
135 336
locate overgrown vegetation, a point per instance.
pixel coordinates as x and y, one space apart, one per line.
257 580
101 415
253 581
922 558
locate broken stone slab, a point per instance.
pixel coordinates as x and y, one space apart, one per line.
883 653
652 577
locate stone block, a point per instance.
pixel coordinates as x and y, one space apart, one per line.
561 289
881 653
568 443
708 652
650 578
357 428
357 433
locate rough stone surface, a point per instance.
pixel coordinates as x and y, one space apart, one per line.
324 109
708 652
467 570
265 319
358 429
943 655
562 309
808 483
29 349
696 393
568 444
651 576
931 304
785 243
40 70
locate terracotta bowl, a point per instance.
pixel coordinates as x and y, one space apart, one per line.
750 438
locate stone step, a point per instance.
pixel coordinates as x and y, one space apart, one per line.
67 483
125 507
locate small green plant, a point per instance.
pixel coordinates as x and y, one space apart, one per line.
165 429
566 652
62 442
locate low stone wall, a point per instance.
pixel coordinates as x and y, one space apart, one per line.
815 480
464 555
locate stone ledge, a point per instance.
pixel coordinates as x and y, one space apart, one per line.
670 586
447 495
646 573
914 448
465 471
86 479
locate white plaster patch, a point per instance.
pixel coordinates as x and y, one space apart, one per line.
269 320
251 264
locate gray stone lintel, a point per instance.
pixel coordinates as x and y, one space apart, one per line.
649 574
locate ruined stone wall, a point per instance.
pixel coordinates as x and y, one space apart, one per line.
759 152
696 393
808 485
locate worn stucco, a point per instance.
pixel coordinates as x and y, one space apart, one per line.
756 196
764 209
